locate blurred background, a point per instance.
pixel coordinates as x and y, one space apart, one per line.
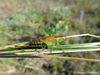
19 22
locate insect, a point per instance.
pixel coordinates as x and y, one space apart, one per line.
52 40
48 40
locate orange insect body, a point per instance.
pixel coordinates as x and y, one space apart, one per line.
49 38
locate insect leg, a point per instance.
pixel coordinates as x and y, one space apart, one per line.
41 51
60 46
52 48
42 47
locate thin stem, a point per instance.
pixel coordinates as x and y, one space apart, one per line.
71 58
83 35
58 57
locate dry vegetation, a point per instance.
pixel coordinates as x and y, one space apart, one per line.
19 21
